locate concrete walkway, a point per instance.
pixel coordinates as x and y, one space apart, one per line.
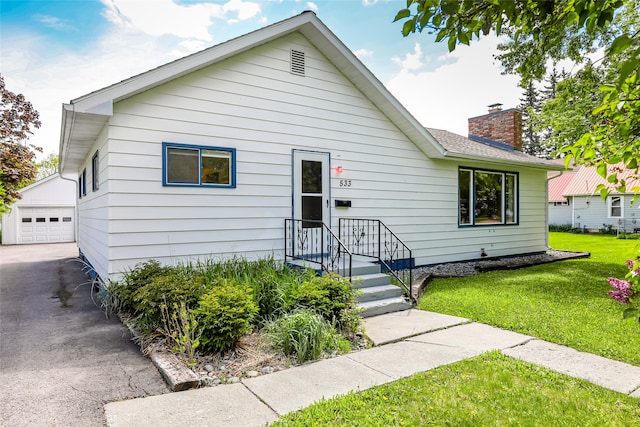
405 343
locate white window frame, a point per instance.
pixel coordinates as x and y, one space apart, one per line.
610 206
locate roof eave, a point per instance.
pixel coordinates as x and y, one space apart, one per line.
77 135
545 166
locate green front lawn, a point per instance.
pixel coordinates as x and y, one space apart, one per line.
488 390
564 302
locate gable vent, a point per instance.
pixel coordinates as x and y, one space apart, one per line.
297 63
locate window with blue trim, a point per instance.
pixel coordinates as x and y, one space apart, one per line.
487 197
192 165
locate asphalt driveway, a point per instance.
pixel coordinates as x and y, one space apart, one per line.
61 358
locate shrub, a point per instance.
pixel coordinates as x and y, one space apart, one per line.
121 293
331 296
628 236
562 228
225 314
607 229
303 334
174 287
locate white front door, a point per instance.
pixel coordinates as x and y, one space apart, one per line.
311 184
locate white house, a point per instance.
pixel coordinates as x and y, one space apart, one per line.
46 213
560 207
208 155
584 208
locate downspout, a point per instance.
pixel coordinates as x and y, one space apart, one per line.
546 211
74 180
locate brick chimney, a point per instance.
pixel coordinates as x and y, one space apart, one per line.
501 128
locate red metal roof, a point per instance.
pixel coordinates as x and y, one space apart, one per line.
558 184
586 179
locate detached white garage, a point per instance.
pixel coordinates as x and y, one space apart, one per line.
45 214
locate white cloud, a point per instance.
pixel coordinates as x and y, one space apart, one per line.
363 53
312 6
462 84
49 76
53 22
412 61
366 3
162 17
246 10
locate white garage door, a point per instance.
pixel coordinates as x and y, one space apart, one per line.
46 225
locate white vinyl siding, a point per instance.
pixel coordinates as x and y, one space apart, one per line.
93 212
559 213
593 213
253 104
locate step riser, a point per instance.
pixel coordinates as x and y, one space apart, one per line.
385 308
370 280
384 292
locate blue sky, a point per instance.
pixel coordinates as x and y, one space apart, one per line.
55 51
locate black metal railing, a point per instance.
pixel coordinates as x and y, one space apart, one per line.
315 243
372 238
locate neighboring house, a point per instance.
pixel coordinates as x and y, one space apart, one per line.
573 199
208 155
46 213
560 207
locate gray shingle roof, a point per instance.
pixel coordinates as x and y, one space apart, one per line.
460 146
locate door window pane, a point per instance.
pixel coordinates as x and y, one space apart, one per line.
311 177
311 209
26 219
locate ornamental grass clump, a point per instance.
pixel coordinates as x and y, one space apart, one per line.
628 291
303 334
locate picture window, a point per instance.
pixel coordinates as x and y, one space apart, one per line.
487 197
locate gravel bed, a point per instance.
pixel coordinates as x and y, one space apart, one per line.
470 268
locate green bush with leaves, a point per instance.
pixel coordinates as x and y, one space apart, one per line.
174 287
303 334
331 296
121 293
225 314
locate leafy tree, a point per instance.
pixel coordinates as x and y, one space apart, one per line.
47 167
17 168
543 30
568 114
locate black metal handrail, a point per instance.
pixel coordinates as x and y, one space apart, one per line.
372 238
314 242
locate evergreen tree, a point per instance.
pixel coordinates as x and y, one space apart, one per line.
530 105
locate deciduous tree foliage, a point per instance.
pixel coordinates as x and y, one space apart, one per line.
560 29
47 167
17 168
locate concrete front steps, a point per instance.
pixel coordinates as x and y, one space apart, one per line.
379 295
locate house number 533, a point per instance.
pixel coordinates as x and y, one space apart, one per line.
345 183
